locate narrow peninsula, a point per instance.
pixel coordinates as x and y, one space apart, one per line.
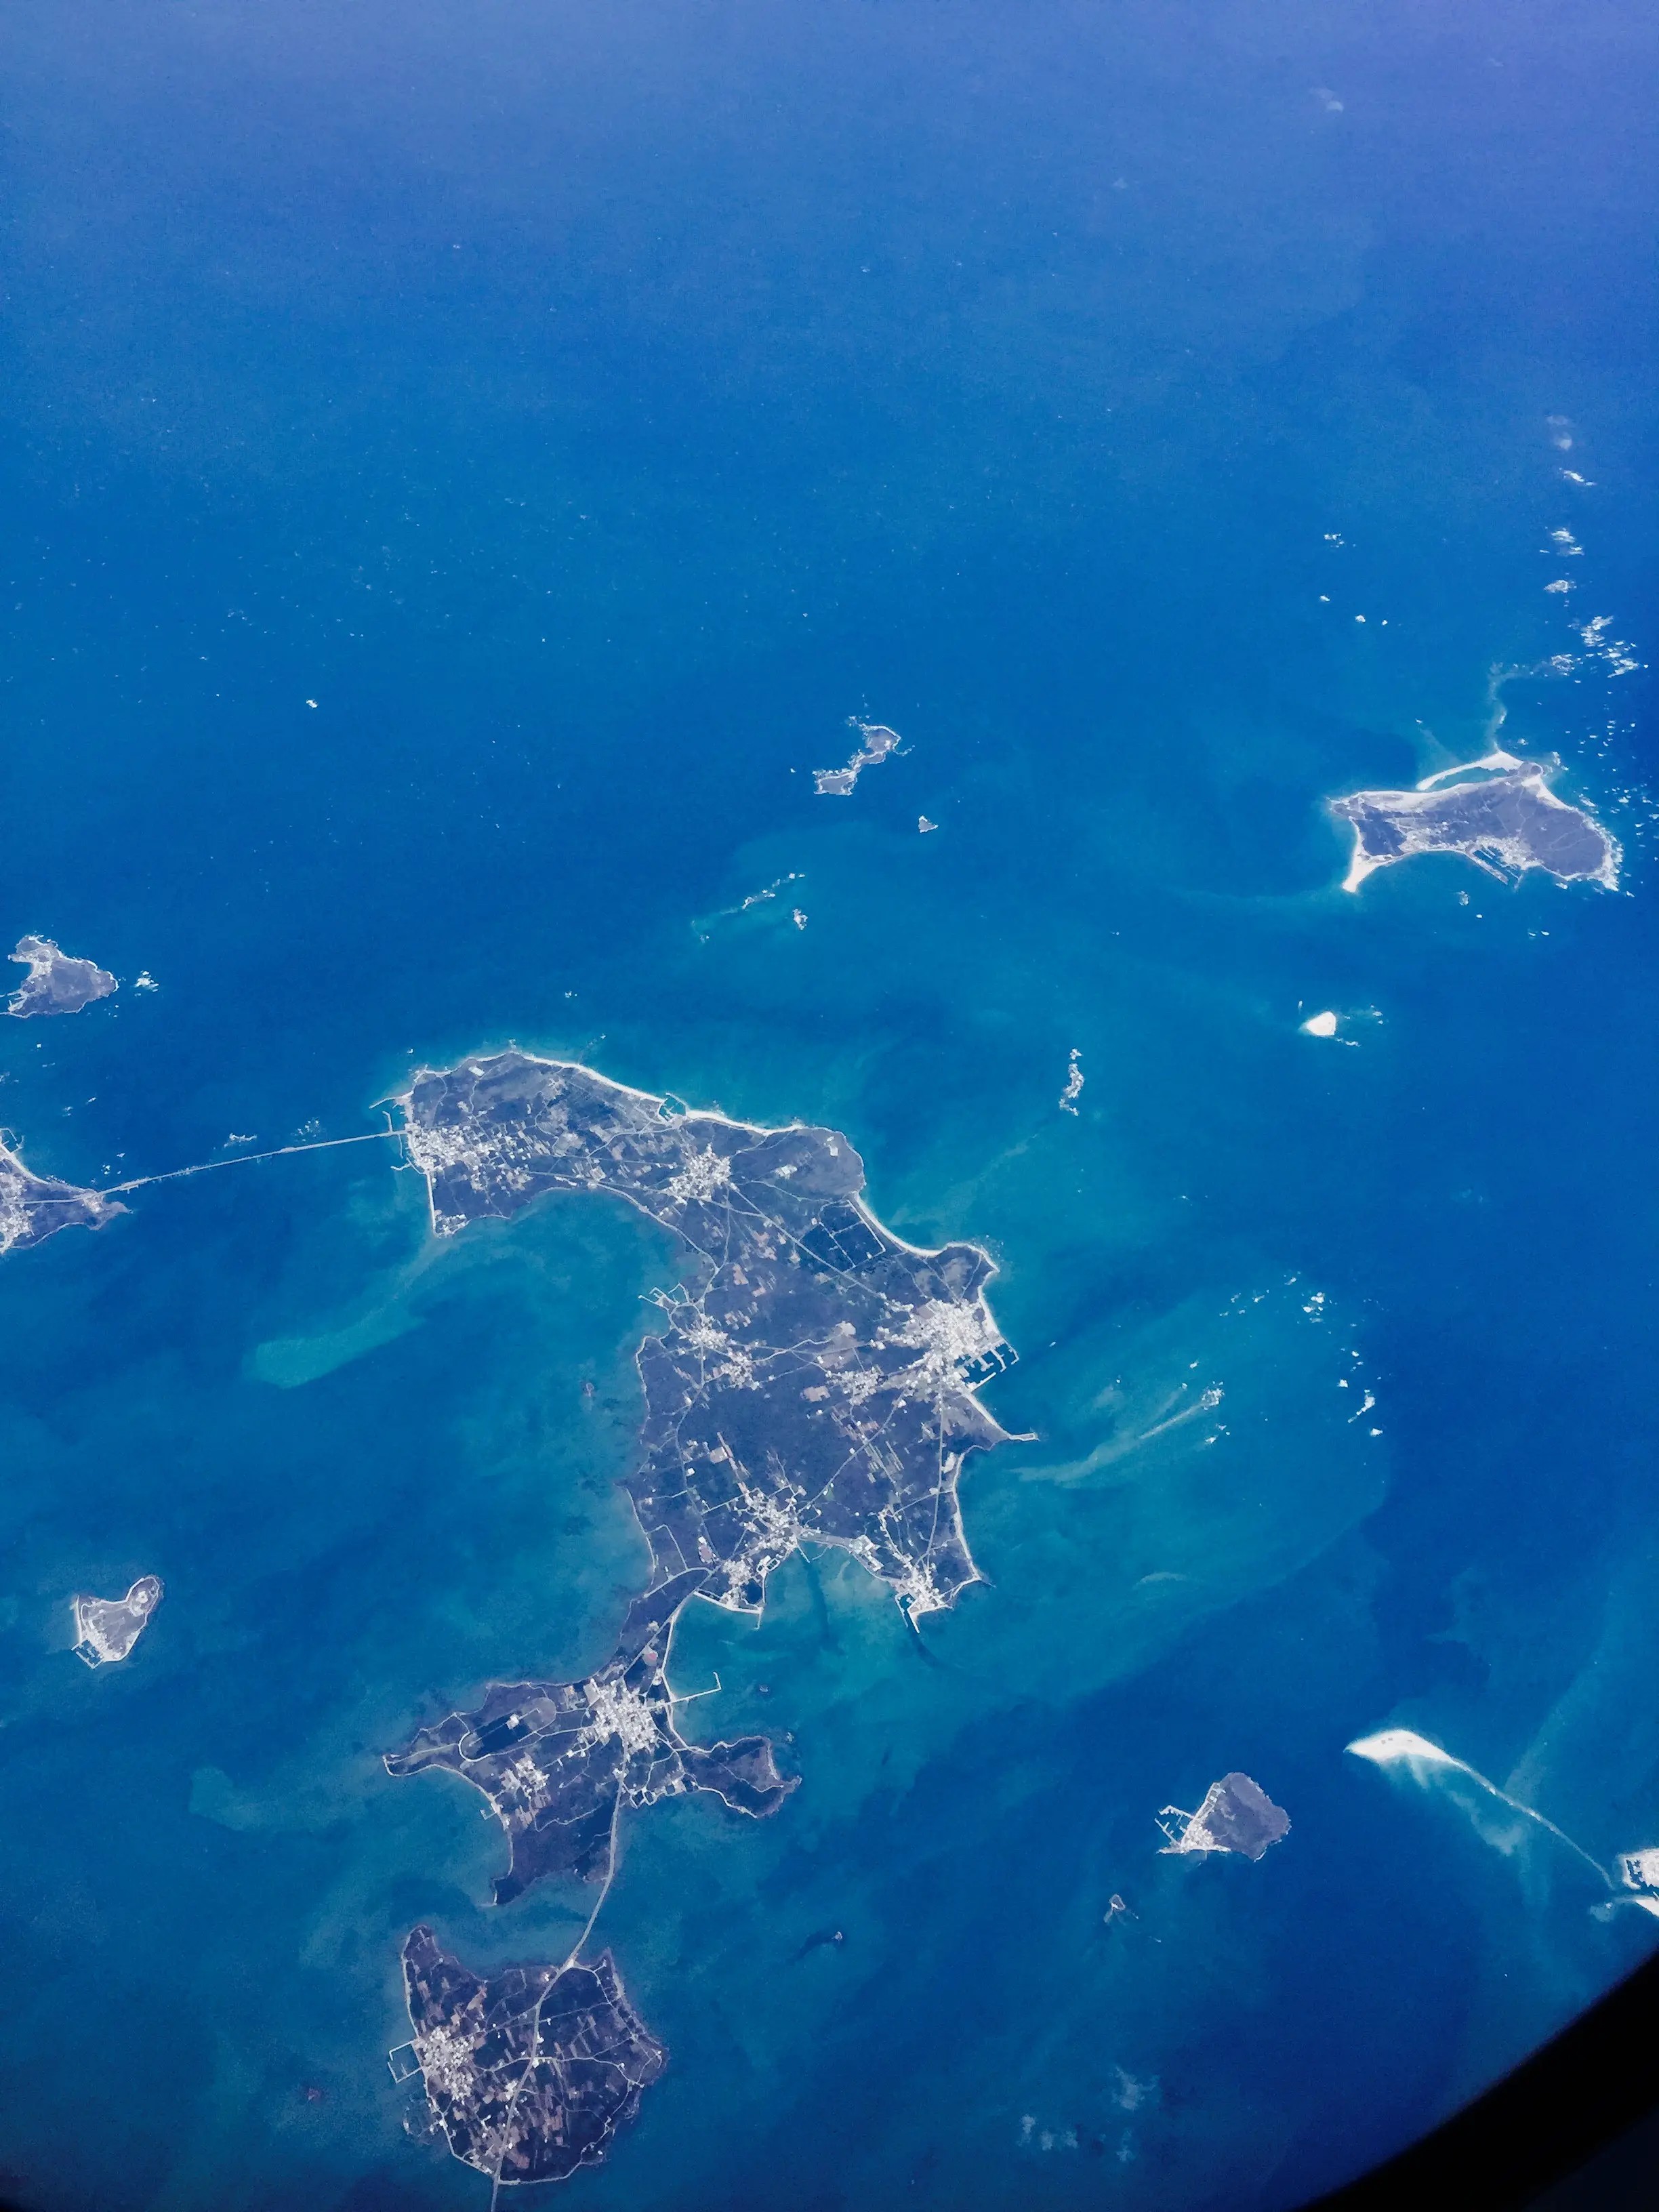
1497 812
55 984
33 1208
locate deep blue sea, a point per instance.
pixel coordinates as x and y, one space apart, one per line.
463 465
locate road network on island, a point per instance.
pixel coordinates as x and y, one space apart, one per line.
814 1383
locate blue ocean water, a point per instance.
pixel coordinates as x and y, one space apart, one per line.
464 466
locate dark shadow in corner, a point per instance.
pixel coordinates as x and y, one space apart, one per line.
1540 2125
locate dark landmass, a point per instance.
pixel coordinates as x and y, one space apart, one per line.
56 984
558 1761
1236 1815
815 1382
107 1628
876 741
1505 819
33 1208
530 2072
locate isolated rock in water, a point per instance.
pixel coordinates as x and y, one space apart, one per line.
108 1627
1236 1815
56 984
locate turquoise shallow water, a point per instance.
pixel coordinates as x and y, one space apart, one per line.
589 413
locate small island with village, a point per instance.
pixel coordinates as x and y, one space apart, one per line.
1498 812
56 983
1237 1815
107 1628
558 1761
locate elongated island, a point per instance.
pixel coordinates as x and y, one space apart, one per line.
815 1382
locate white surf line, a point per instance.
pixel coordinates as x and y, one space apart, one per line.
1395 1747
247 1160
1205 1402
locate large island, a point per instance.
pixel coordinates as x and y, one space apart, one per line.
815 1378
814 1383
